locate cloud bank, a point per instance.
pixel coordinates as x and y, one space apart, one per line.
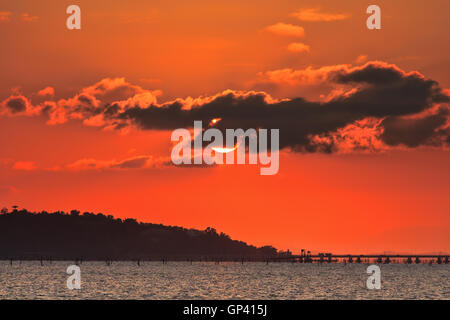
375 106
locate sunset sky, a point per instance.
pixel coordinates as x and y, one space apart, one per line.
363 115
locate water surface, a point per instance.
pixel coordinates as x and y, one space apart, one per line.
201 280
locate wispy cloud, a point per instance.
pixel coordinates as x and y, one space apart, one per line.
25 166
314 15
138 162
5 16
29 18
298 47
285 29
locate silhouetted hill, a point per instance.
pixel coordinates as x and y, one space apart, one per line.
88 236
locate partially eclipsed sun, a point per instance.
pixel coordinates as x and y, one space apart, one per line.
225 150
214 121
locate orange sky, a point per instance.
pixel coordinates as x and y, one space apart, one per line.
395 199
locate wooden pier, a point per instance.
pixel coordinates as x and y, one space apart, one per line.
303 257
306 257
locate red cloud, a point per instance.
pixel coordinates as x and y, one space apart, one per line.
5 16
25 166
138 162
375 90
47 91
18 105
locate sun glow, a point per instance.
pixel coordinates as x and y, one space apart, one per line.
214 121
225 150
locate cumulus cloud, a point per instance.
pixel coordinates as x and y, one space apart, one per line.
432 130
376 104
95 102
298 47
47 91
285 29
380 91
360 136
7 190
315 15
17 105
361 59
25 166
292 77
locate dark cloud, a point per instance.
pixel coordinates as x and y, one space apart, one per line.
138 162
414 132
404 105
16 104
85 99
134 163
383 91
371 73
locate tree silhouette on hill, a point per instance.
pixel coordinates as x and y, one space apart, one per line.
89 236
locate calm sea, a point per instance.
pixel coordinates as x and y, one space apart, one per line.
200 280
